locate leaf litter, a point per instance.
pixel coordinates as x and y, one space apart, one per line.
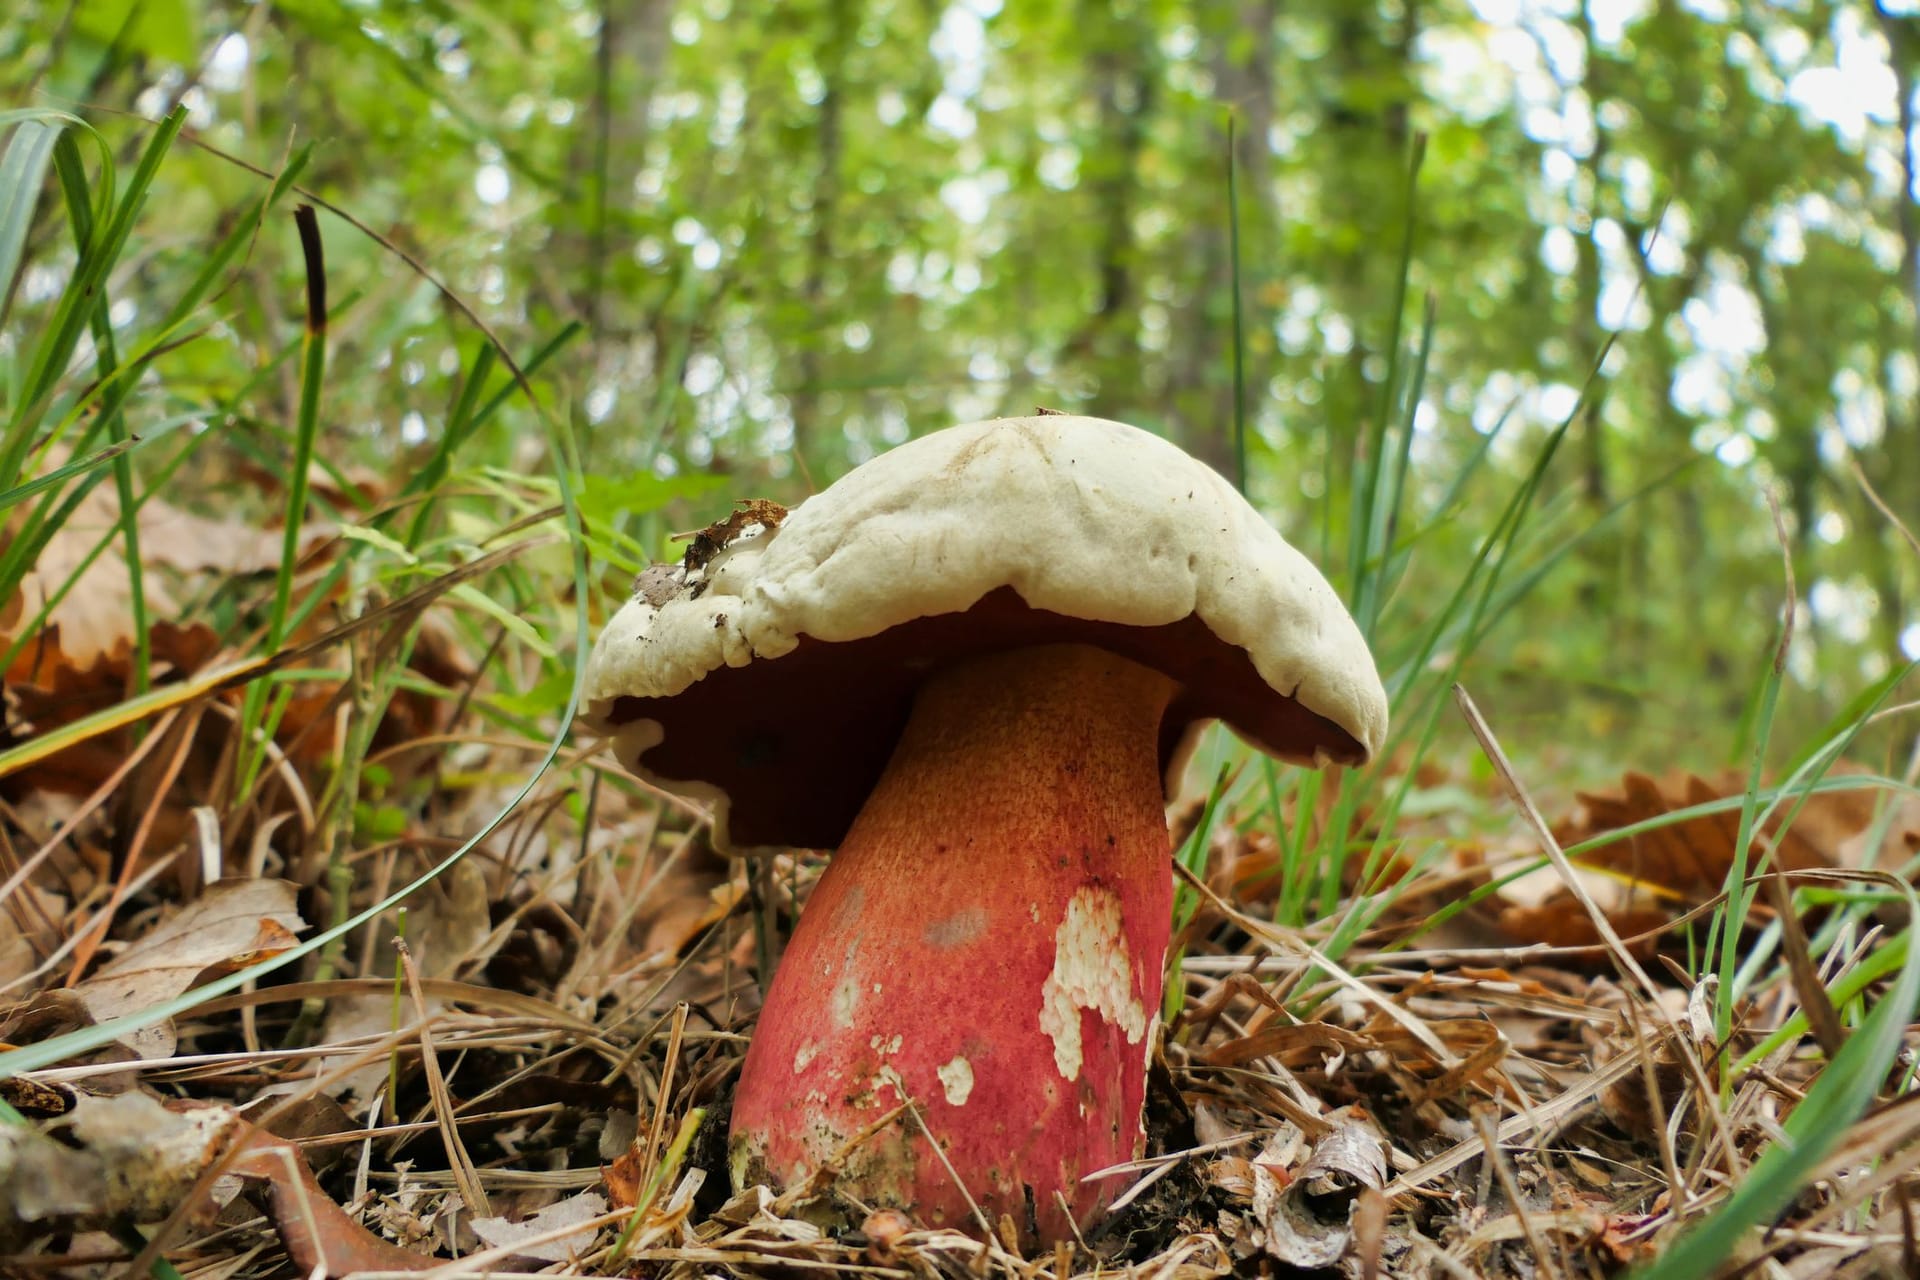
541 1081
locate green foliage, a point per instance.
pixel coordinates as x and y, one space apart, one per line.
163 30
101 217
743 255
793 240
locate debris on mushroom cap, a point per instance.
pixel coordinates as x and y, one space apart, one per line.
750 516
659 583
1033 529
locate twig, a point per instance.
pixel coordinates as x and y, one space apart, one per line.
1873 496
465 1176
1650 1078
664 1093
1616 949
892 1077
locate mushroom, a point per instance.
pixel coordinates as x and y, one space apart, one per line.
970 666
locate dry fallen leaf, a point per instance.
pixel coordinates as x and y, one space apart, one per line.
1304 1213
90 629
692 904
1627 1102
884 1230
29 920
106 1160
78 660
233 923
321 1239
1691 856
1295 1044
499 1233
748 514
130 1158
1628 1237
1560 920
1643 881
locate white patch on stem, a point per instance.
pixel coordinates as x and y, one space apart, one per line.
1090 971
956 1080
845 1000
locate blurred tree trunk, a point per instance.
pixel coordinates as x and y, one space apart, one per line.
1897 477
1122 78
1797 452
1367 106
1688 560
841 23
629 58
1240 35
1587 335
1622 553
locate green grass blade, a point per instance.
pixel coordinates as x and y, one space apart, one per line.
1386 514
150 434
1729 921
72 314
1835 1101
1372 444
460 425
59 1048
23 168
1239 332
74 185
27 632
313 368
1192 855
238 237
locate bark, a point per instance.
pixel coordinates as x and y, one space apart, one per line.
1899 476
805 400
1122 82
629 62
1242 63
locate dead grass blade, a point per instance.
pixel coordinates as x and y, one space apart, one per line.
465 1175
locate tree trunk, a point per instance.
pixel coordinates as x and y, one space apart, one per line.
807 427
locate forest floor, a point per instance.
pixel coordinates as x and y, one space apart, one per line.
1495 1049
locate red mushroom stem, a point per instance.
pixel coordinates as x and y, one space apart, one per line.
987 945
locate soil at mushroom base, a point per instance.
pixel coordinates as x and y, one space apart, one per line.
987 946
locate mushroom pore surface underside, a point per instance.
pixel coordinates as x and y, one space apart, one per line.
797 744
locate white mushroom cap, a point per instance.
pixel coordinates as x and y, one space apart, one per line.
790 661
